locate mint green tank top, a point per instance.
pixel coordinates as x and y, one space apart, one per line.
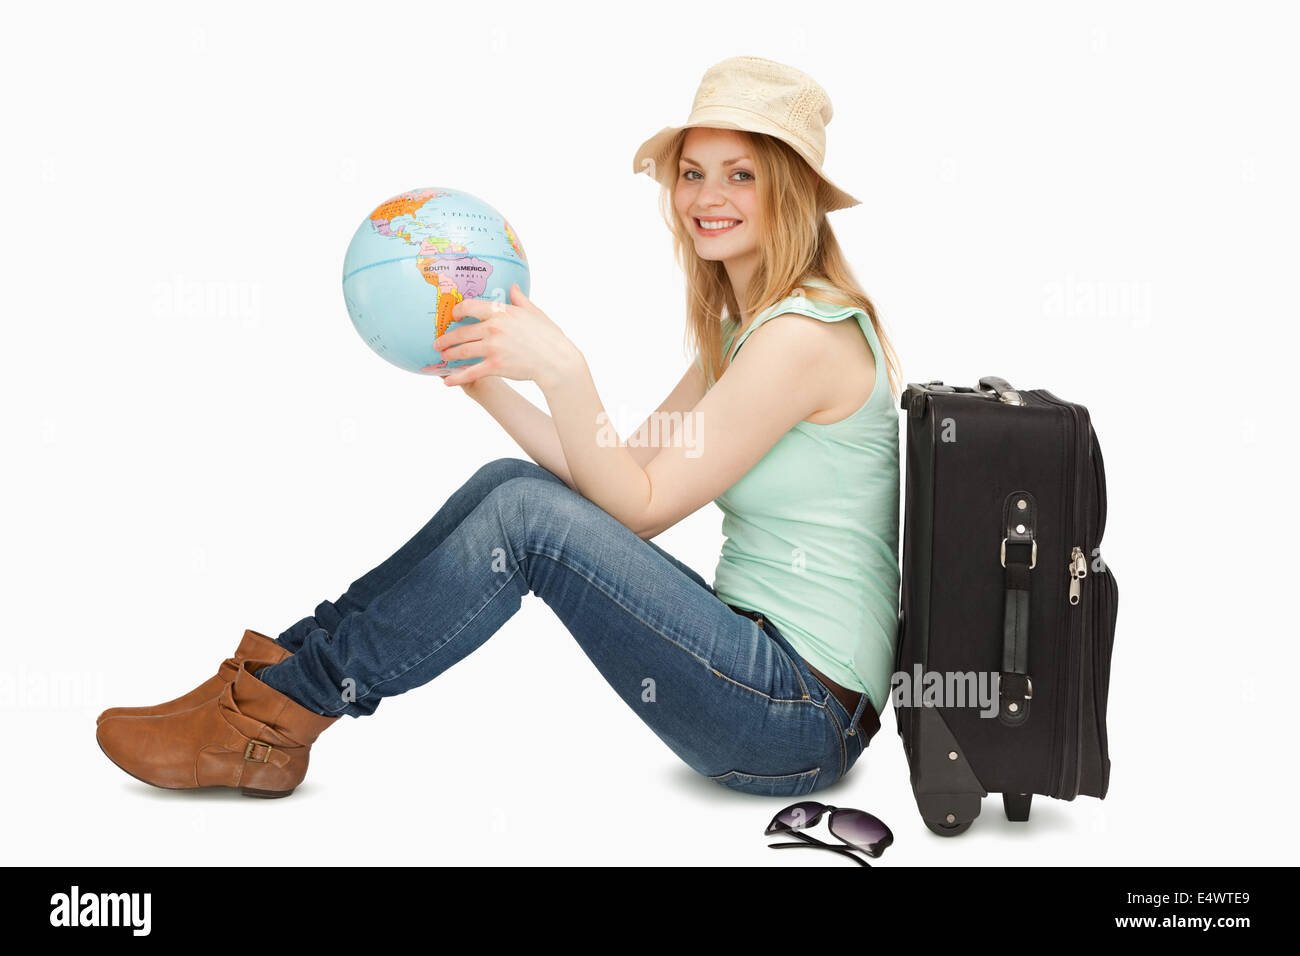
811 530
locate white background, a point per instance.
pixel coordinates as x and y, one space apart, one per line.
1099 200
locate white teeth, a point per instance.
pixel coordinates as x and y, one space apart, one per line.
718 225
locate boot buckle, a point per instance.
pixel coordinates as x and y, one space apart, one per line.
248 751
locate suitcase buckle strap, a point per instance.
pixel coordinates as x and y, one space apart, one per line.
1033 552
1015 687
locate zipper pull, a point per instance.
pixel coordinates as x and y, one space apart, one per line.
1078 571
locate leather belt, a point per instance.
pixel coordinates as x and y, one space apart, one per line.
868 721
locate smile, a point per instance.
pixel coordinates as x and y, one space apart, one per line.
715 227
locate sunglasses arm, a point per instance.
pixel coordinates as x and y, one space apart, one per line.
818 845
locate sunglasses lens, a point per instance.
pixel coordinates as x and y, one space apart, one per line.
799 815
858 828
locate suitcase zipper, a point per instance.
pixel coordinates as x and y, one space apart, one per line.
1102 625
1077 616
1067 766
1078 571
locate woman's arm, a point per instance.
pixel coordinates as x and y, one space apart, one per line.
730 428
528 425
535 432
684 396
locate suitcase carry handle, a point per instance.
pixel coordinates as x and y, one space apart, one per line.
1000 388
1015 685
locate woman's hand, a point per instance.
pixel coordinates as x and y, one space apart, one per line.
515 340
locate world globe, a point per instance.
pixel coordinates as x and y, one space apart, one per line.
413 259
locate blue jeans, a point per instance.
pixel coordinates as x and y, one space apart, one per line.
727 694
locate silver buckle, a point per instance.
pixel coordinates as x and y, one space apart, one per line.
1029 687
1033 553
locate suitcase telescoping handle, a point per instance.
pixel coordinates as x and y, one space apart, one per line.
990 387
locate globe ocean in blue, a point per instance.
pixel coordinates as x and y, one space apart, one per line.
413 259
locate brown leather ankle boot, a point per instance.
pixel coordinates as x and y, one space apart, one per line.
249 736
253 646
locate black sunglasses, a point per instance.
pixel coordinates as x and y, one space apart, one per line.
855 828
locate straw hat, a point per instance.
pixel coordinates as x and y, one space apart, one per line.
760 96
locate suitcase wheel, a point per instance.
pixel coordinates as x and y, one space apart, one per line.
944 830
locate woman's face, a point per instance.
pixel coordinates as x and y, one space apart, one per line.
715 195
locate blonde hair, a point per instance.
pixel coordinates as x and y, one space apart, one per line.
796 244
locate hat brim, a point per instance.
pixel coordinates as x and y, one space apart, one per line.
652 156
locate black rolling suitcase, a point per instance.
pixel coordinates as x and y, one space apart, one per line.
1003 587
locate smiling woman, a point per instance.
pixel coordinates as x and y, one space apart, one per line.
769 681
717 199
